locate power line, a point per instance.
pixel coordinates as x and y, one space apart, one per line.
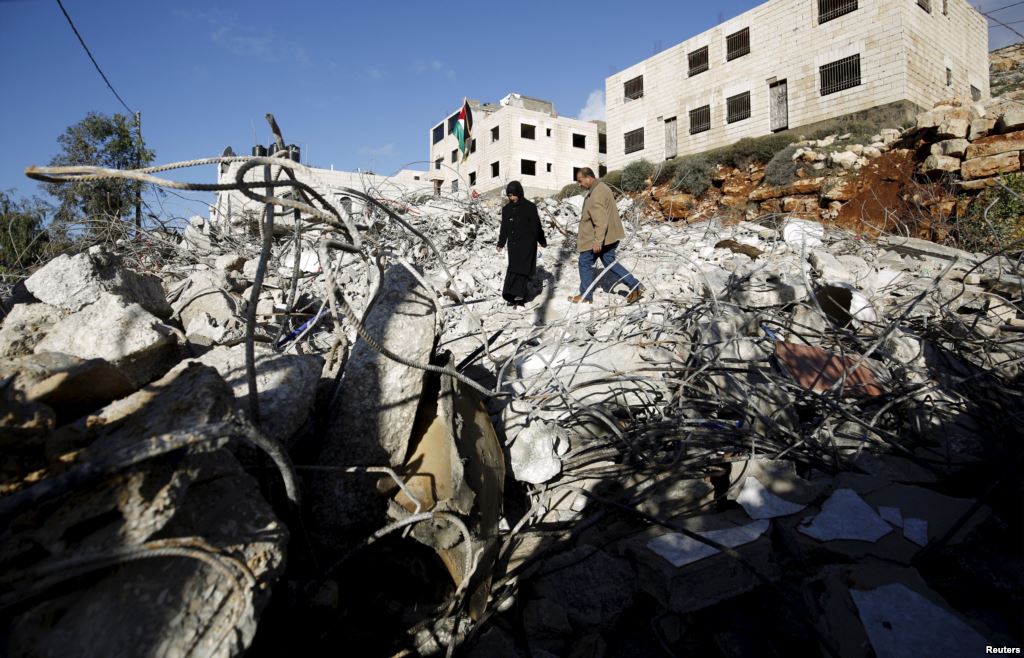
89 53
1006 7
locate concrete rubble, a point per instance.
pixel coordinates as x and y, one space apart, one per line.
796 425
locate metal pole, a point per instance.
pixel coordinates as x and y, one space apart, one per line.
138 164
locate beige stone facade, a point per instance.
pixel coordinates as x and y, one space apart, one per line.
915 51
519 138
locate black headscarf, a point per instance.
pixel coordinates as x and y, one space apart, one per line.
514 187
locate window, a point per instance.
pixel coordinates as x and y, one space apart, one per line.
575 173
526 131
949 77
472 146
737 108
455 155
945 7
601 170
528 167
549 167
494 170
452 120
698 61
438 133
738 44
579 141
634 88
925 4
634 140
840 75
829 9
602 143
437 163
494 134
455 185
548 132
472 178
975 93
700 120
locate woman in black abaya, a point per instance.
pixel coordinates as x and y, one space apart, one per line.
521 230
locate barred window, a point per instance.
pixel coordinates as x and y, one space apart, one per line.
975 93
700 120
634 140
698 61
634 88
925 4
737 108
829 9
528 167
438 132
738 44
840 75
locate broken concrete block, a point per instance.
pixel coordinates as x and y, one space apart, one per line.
24 327
991 165
802 234
229 262
1011 119
209 292
124 334
828 268
937 164
73 282
593 587
982 127
996 144
954 125
533 453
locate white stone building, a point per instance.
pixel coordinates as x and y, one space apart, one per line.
520 138
791 64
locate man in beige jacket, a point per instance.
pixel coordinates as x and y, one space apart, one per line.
599 234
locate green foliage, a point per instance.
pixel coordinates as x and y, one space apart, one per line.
693 174
22 239
750 150
995 219
572 189
103 141
781 169
635 175
665 171
613 179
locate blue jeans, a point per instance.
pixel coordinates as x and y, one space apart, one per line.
617 273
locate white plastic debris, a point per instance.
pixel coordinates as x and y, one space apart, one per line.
680 550
845 515
760 503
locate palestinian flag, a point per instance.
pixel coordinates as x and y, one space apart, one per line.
464 129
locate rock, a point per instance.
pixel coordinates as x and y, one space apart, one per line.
935 164
800 205
889 136
951 147
208 292
838 189
804 186
994 164
844 159
872 152
677 205
593 587
955 125
24 327
73 282
203 330
917 247
982 127
1011 119
925 120
828 268
979 184
230 263
856 149
996 144
124 334
533 455
195 237
285 385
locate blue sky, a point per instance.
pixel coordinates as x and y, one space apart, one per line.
356 84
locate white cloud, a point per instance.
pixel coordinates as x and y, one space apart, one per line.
384 151
375 73
247 41
594 109
433 67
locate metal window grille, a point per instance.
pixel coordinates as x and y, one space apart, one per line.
634 140
437 163
829 9
438 133
700 120
579 141
925 4
840 75
698 61
526 131
975 93
737 108
634 88
528 167
738 44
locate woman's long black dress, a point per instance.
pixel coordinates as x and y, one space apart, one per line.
522 232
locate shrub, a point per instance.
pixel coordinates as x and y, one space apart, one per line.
572 189
995 219
781 170
635 175
665 171
613 179
693 175
749 150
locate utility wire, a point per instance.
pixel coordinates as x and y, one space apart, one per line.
996 20
89 53
1006 7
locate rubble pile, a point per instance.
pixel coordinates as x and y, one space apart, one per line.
796 427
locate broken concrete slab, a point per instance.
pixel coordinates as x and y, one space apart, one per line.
533 452
208 292
24 327
592 587
124 334
845 515
73 282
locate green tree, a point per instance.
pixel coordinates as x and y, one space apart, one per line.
102 141
22 239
